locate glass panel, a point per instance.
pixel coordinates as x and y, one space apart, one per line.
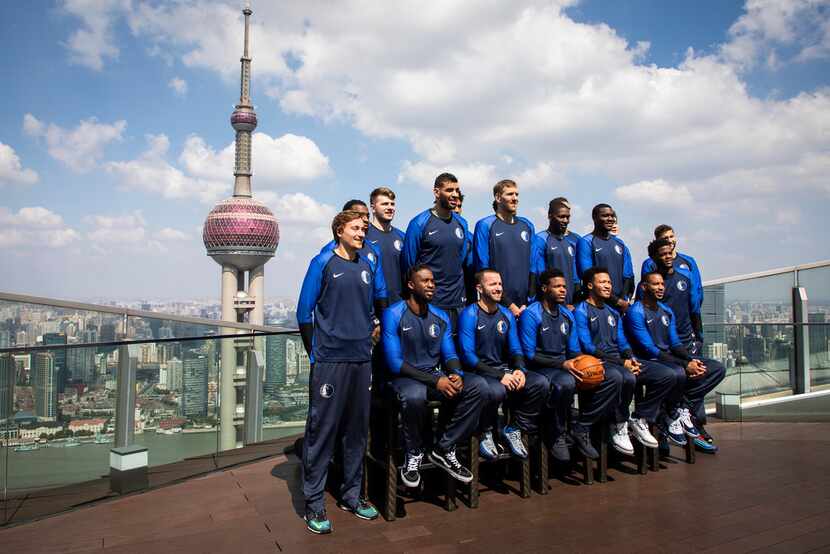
33 324
158 328
761 300
817 283
62 417
285 399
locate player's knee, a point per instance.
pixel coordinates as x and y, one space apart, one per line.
473 387
413 395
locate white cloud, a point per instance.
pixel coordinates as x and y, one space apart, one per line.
80 148
473 177
94 42
278 162
151 172
178 85
768 30
168 233
657 192
12 170
34 226
300 208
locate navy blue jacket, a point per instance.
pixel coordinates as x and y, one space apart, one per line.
611 253
555 252
489 343
601 332
337 298
548 339
390 245
683 262
653 333
442 246
507 248
373 256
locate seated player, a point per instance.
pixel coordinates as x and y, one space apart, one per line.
417 341
650 325
550 342
601 335
682 296
490 347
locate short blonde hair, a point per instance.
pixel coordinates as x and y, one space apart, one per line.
381 191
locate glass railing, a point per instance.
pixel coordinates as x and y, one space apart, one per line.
773 340
62 399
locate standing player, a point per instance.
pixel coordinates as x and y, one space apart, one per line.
387 239
550 342
681 261
469 267
417 339
504 242
490 346
650 325
556 247
601 248
437 237
335 317
601 335
681 295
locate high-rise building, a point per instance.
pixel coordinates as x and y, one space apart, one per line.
713 313
275 360
195 385
80 364
819 338
240 234
174 374
716 350
45 385
8 376
5 338
58 339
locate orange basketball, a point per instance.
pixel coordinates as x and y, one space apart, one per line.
592 370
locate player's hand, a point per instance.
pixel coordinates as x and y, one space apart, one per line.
515 310
695 369
456 381
508 381
570 367
633 366
519 377
570 307
622 304
376 334
446 387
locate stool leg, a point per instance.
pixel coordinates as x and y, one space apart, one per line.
543 465
449 503
475 470
652 453
524 486
602 434
641 457
390 503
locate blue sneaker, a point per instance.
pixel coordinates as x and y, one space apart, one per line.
363 510
513 437
705 442
318 522
672 429
487 446
686 421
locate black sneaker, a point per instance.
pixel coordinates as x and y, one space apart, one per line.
448 461
318 522
363 510
559 450
582 440
410 474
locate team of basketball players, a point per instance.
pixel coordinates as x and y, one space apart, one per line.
496 316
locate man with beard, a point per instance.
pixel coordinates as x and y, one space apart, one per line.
556 248
388 240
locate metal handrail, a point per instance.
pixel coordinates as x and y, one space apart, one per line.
55 303
767 273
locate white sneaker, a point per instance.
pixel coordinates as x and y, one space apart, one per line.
687 423
619 438
639 428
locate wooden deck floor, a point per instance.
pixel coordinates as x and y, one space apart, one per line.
768 490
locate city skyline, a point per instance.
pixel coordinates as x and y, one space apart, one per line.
709 116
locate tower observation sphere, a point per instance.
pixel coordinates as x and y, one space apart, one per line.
241 232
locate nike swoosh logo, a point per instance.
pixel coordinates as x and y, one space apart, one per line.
554 247
649 320
373 241
336 275
597 249
594 318
545 329
499 234
406 329
432 232
480 327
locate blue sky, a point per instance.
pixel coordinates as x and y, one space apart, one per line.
114 133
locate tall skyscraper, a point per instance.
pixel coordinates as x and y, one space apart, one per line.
275 364
819 339
44 383
58 339
8 376
240 234
195 385
80 364
713 313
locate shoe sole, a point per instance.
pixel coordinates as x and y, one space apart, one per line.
357 515
440 463
622 450
711 449
410 484
676 442
315 531
488 457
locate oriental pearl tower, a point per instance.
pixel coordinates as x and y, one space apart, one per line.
241 235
